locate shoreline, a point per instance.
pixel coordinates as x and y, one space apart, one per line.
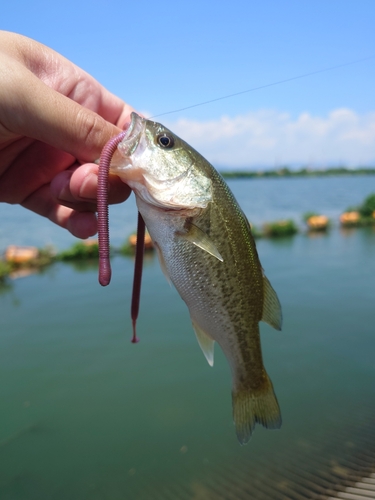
302 172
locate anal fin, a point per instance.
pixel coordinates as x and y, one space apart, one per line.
205 342
271 306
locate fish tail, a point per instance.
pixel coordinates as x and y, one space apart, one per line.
255 406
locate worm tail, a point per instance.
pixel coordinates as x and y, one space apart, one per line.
138 266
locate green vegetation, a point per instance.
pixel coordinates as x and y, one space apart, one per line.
363 215
19 259
302 172
5 270
127 249
306 216
45 257
367 209
256 232
280 228
81 250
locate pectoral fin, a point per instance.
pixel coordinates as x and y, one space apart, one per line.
206 343
271 306
199 238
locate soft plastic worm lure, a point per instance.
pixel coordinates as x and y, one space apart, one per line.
103 231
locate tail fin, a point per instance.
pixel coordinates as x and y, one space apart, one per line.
250 407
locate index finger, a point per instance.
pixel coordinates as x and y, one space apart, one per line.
55 119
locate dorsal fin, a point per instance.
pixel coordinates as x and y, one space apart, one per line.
271 306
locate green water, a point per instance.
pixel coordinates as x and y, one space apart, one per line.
85 414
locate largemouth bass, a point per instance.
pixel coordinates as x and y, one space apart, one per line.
206 249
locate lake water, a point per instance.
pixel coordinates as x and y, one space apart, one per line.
263 200
85 414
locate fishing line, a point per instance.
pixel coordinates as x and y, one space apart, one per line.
279 82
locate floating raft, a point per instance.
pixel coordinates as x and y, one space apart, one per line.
317 223
148 241
349 218
20 255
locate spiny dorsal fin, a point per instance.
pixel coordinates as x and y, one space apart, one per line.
199 238
205 342
271 306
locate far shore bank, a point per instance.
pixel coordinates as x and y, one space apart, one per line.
302 172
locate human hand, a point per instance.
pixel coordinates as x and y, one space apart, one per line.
54 120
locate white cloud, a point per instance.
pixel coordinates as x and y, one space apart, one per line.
272 138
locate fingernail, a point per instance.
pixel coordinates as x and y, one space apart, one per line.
65 195
60 186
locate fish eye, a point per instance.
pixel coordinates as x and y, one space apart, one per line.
165 141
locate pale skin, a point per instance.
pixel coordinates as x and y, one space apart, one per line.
54 120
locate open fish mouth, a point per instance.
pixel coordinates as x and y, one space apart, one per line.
133 135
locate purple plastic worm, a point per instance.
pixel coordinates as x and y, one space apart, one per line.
103 229
138 266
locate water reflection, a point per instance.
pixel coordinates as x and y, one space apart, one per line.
316 234
87 415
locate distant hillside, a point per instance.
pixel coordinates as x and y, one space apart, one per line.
303 172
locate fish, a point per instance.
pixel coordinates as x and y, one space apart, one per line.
207 251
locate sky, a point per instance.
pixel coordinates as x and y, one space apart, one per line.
164 56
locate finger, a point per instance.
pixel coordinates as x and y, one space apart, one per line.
80 224
33 167
65 77
84 185
51 117
80 184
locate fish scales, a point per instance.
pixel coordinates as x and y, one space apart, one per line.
206 249
213 283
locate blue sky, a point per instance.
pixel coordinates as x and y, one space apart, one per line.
162 56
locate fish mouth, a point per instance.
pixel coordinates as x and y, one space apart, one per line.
133 134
